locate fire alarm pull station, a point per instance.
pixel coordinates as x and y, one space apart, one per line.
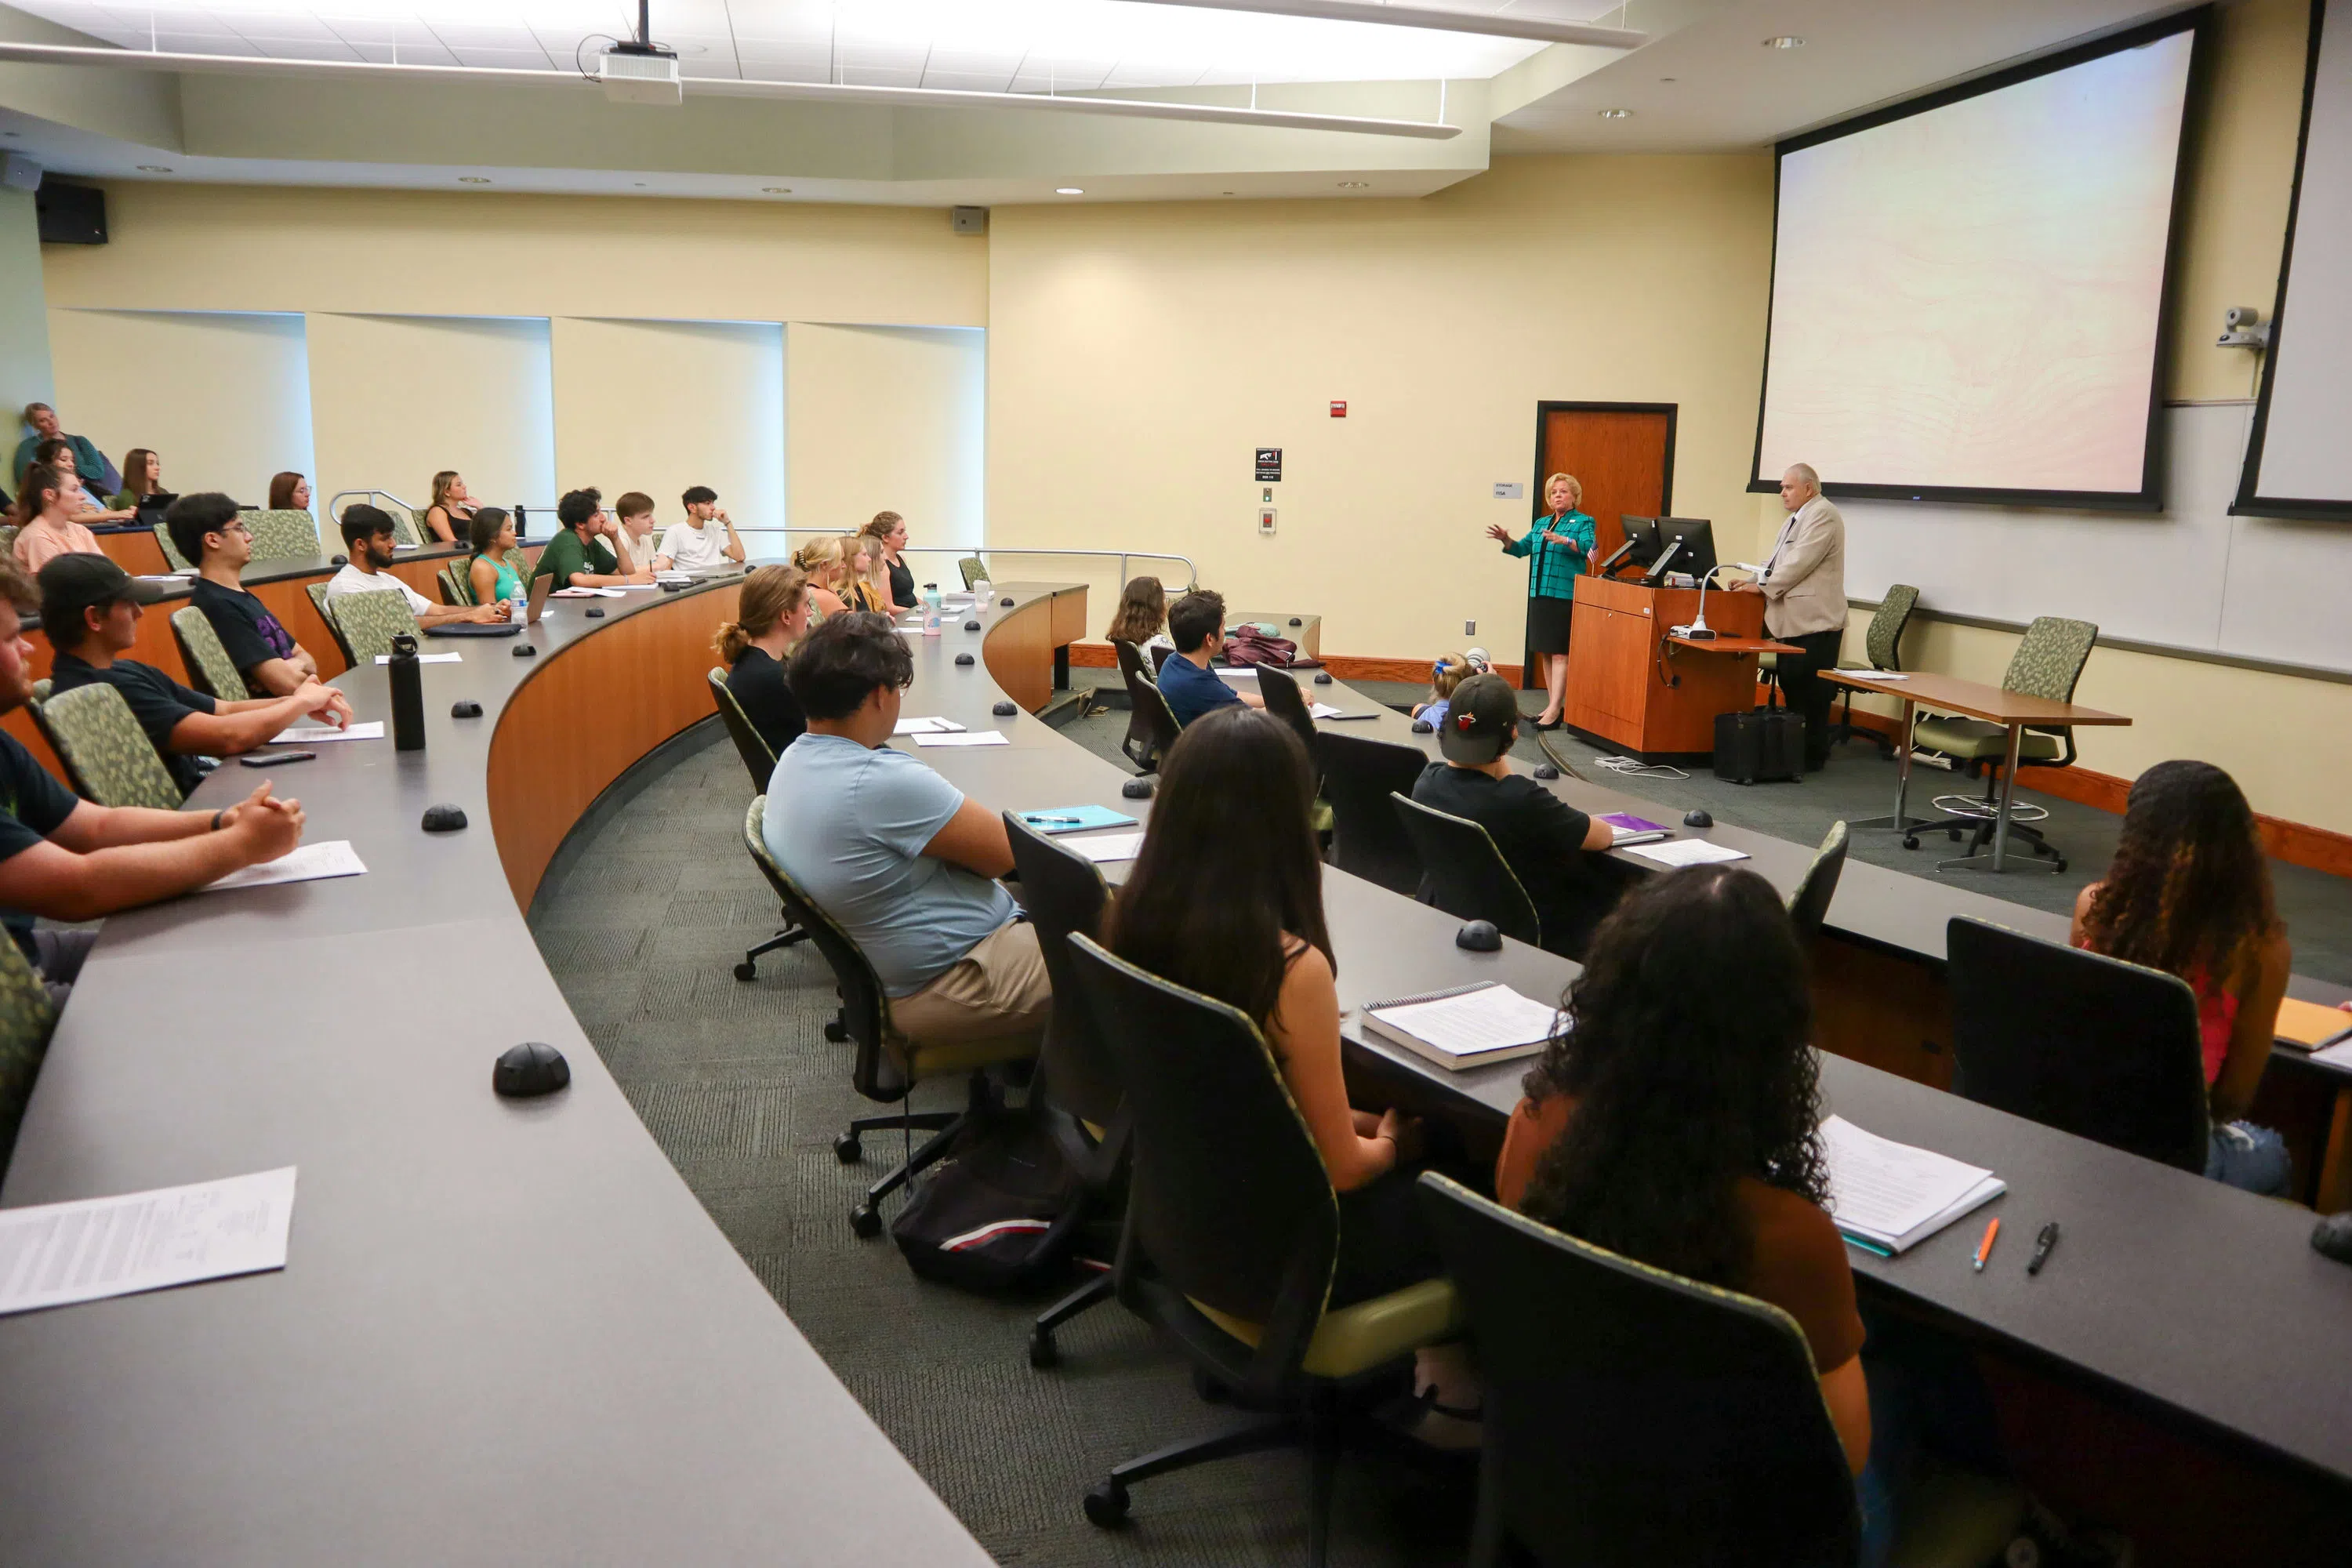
1265 519
1339 408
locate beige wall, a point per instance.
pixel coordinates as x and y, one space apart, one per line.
396 399
23 320
1137 354
888 418
224 399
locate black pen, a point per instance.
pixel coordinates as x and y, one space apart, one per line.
2043 1245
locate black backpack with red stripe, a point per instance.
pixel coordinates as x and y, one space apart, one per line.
1000 1213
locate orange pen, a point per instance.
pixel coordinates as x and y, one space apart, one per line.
1984 1247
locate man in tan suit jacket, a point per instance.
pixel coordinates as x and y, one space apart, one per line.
1803 584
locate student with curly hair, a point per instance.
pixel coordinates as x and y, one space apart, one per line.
2189 892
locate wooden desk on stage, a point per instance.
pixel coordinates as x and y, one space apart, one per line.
1632 688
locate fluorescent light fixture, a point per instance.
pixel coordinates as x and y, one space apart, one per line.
1435 19
1785 41
1616 114
155 168
1067 191
473 179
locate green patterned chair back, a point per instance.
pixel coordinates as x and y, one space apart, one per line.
108 756
26 1019
41 689
1883 640
366 622
209 667
974 570
2051 658
407 527
283 535
170 552
456 586
8 539
318 591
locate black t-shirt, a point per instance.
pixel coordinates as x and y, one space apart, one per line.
247 629
33 806
758 684
1542 840
902 584
157 701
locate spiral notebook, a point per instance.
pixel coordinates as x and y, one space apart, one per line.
1468 1026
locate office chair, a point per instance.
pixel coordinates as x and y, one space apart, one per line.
760 763
974 570
1279 690
8 532
888 1064
1810 901
179 563
1673 1422
27 1017
1160 657
455 587
2087 1044
318 591
2048 662
1232 1230
209 668
1882 641
1151 727
283 534
108 757
366 624
1077 1079
1368 836
1463 874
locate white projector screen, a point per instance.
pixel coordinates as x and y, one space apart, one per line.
2298 463
1967 289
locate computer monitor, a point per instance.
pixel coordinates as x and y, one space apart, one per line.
1641 540
1696 539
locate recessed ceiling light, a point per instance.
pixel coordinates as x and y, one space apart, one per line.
1224 193
1067 191
1616 114
1670 78
1355 185
472 180
1785 41
155 168
776 190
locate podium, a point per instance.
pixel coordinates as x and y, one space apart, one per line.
1632 687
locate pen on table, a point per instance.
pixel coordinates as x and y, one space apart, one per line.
1984 1247
1033 817
2042 1246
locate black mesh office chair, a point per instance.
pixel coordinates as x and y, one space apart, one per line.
888 1064
760 763
1367 837
1279 690
1151 727
1078 1083
1810 904
1232 1230
2076 1040
1463 874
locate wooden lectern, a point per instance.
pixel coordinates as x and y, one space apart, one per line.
1633 688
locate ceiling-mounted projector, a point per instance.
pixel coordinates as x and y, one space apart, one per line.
641 71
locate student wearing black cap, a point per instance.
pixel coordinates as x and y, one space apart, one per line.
91 609
1543 839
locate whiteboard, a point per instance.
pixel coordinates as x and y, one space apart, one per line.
2191 576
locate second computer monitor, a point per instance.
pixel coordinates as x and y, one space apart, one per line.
1641 533
1696 537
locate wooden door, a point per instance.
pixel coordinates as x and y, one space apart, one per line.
1623 455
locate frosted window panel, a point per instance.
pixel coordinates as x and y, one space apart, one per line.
1969 298
658 406
396 399
890 419
224 398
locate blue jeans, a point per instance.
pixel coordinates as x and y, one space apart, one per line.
2250 1158
1926 1401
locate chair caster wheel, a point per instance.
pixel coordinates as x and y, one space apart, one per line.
1106 1506
1042 1352
1910 841
866 1221
847 1150
1208 1389
747 971
1953 834
836 1031
2061 866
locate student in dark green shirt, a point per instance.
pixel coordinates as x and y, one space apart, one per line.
578 557
98 475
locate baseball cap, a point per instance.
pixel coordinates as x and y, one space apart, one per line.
1478 720
72 584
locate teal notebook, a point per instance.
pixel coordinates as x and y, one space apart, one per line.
1075 818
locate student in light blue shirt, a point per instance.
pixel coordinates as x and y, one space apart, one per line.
895 853
1197 624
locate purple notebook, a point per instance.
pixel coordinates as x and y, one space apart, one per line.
1626 822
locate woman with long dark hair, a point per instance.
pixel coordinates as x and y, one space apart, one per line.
1230 903
2189 892
142 476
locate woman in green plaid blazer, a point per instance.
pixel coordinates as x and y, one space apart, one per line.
1558 547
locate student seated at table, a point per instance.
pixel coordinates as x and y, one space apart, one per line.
142 476
2189 892
634 544
578 557
369 542
897 854
1230 903
90 610
694 545
208 529
1543 839
1142 616
67 859
449 512
863 586
499 569
1449 672
45 526
289 492
79 502
1196 625
769 617
820 562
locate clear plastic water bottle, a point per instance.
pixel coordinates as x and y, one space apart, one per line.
517 607
984 597
930 609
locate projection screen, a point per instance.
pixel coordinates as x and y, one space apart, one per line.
2297 462
1967 290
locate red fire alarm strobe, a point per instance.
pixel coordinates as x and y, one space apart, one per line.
1338 409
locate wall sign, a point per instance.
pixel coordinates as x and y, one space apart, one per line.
1509 489
1269 465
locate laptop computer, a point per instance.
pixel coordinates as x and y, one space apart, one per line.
533 609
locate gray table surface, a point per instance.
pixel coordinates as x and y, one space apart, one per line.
507 1332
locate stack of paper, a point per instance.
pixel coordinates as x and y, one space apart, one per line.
927 727
980 738
310 863
52 1254
312 734
428 659
1892 1195
1466 1028
1109 846
1687 852
590 594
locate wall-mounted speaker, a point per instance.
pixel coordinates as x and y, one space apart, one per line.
71 215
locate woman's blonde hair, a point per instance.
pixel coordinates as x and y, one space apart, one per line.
1448 673
441 488
870 589
1575 486
771 594
1142 611
817 555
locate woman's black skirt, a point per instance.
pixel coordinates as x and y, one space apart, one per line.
1547 623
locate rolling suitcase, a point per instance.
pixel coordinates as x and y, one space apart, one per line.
1763 746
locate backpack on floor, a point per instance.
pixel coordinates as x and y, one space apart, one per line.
1763 746
999 1213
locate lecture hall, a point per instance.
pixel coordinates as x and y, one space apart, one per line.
1191 783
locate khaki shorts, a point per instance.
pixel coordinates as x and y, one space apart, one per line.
998 991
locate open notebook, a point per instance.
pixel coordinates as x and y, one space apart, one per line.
1893 1197
1467 1028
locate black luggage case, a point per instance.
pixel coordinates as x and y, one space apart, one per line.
1763 745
